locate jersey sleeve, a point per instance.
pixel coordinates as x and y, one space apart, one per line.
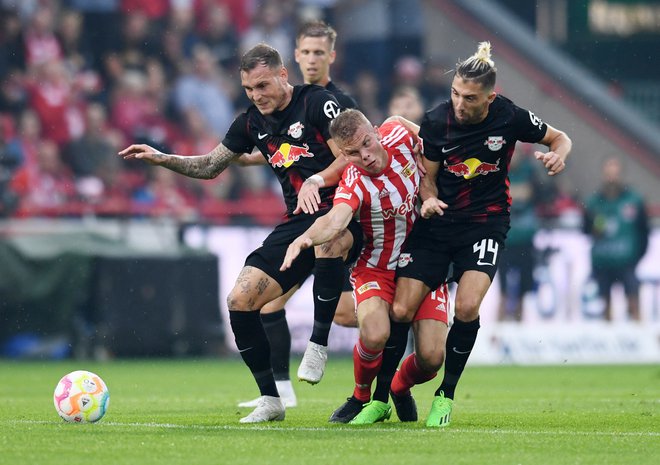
322 108
426 131
529 127
348 191
238 138
394 134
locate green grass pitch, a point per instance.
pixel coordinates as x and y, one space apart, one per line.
184 412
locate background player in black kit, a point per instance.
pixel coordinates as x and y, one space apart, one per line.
289 125
314 53
467 144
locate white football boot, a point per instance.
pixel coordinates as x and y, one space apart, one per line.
313 363
287 394
269 408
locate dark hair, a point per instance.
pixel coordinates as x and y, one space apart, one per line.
479 68
343 127
261 54
317 28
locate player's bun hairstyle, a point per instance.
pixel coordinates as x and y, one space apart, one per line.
317 28
261 54
345 124
479 68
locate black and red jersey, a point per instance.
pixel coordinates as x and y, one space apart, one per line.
345 100
292 140
474 158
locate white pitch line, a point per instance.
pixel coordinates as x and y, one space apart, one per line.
371 429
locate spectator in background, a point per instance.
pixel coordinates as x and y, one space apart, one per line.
163 195
364 26
436 85
182 20
206 89
240 12
46 186
28 138
270 25
366 92
407 28
136 41
220 36
12 49
197 137
10 161
76 51
57 101
617 221
41 44
91 156
407 102
129 103
408 71
517 259
101 21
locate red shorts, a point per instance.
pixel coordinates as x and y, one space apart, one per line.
435 305
370 282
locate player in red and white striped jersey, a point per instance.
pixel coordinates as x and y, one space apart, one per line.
380 187
384 201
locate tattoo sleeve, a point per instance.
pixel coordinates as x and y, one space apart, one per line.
201 166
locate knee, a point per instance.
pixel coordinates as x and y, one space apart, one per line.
466 308
238 301
401 313
374 338
430 360
346 319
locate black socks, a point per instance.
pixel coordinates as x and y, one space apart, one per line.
460 341
328 286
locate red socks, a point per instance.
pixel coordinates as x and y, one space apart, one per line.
366 365
409 375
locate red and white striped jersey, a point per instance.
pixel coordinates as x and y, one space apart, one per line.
385 204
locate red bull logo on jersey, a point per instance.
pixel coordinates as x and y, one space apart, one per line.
288 154
472 167
495 143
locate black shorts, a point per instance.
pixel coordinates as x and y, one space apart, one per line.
269 257
432 247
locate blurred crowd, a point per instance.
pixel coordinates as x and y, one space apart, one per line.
81 79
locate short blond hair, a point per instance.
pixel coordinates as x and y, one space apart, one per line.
344 126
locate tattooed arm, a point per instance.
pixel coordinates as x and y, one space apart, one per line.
198 166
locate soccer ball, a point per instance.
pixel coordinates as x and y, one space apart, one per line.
81 397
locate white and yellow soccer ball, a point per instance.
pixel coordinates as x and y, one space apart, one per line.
81 397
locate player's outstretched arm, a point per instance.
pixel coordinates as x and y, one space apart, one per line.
321 231
250 159
560 146
197 166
